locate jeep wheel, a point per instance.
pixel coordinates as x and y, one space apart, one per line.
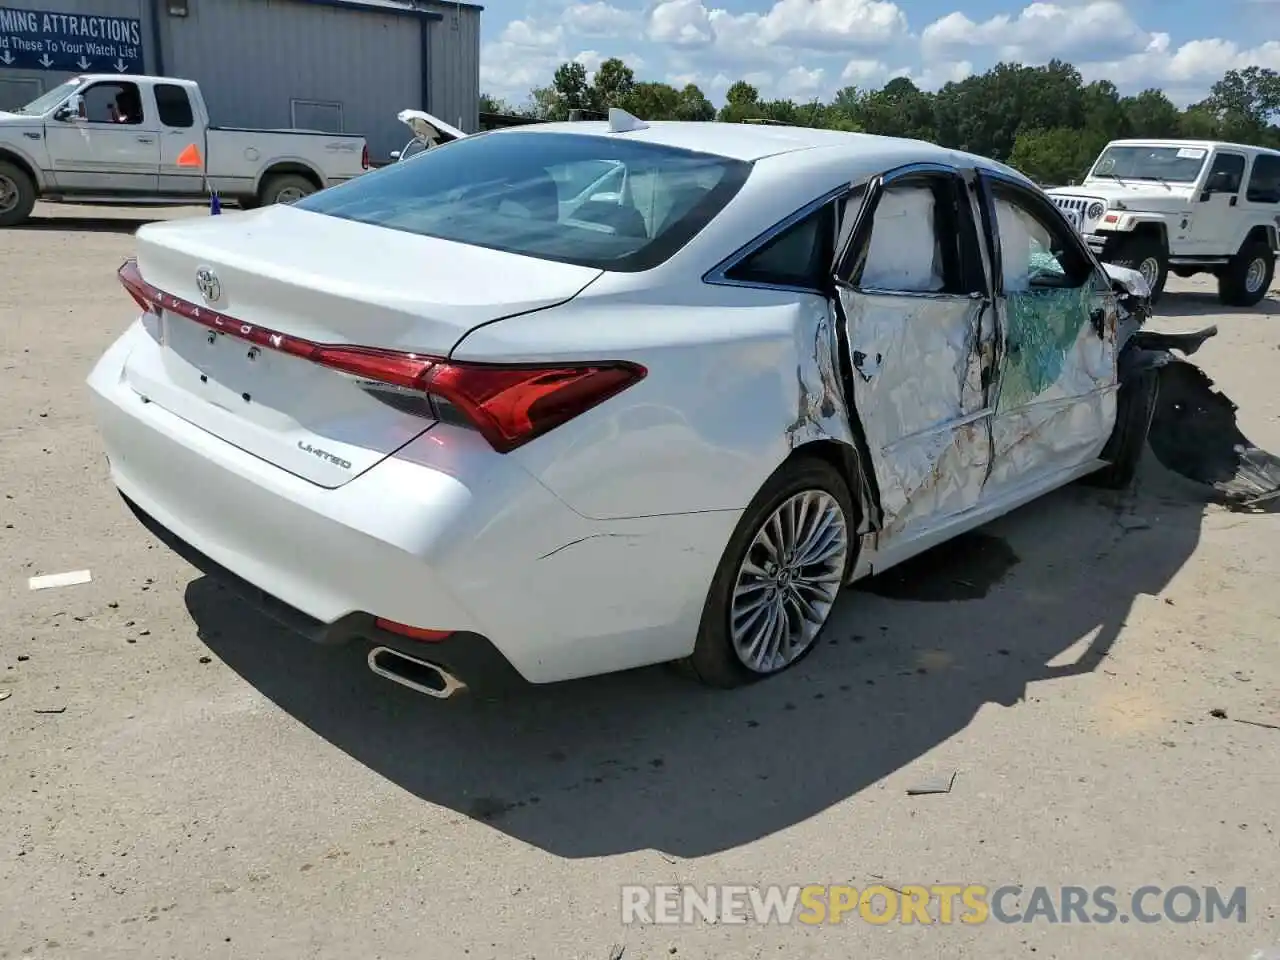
1248 276
1148 256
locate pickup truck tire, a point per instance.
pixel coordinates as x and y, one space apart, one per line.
17 195
285 188
1248 276
1148 256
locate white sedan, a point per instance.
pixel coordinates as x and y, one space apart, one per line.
568 399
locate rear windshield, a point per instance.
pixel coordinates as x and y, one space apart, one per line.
590 200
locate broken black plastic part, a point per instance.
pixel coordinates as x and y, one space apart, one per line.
1194 433
1184 343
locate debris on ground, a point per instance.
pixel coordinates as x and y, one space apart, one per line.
68 579
5 694
51 710
936 785
1258 723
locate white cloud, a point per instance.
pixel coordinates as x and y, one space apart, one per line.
1040 32
800 84
681 23
600 19
1185 72
522 33
796 24
863 72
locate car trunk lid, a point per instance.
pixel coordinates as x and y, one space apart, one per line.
234 281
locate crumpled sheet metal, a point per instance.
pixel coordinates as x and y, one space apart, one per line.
1047 437
1056 402
821 412
914 386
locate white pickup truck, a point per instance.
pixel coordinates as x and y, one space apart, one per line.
1183 207
118 138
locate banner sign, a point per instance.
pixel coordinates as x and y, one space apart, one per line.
69 42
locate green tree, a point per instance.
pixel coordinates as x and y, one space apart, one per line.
694 105
612 84
900 109
742 102
572 90
1152 114
652 101
1053 157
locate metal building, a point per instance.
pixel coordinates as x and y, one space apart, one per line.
342 66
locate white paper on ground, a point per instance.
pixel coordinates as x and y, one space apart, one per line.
68 579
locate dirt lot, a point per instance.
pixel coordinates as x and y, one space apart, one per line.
178 778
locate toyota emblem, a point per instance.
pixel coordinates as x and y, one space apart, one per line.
208 284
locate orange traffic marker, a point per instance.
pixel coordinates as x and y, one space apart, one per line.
190 157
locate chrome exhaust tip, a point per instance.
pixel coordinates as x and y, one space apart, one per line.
421 676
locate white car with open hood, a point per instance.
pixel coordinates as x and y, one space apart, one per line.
572 398
428 131
1183 207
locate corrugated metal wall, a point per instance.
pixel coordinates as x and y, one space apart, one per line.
254 58
455 65
21 86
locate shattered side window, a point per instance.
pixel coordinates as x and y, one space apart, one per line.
1034 254
904 253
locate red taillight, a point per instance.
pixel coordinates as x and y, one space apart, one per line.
509 404
364 157
413 633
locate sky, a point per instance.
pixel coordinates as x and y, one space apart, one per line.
801 49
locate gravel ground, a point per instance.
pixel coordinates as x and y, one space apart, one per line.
181 779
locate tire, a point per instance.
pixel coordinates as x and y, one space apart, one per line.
1248 276
285 188
1149 252
1135 406
17 195
716 660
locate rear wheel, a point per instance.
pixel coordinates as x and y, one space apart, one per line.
779 577
1147 255
1248 276
17 195
285 188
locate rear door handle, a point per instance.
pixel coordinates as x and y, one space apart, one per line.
146 139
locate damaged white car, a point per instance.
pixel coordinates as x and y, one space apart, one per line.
505 425
428 131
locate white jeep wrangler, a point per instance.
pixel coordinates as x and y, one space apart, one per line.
1186 206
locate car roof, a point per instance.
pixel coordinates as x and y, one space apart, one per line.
803 146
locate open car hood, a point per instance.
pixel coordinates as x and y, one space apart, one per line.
430 130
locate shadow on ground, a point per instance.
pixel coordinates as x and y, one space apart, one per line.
649 760
126 225
1196 304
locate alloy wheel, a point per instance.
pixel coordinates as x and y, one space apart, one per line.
788 581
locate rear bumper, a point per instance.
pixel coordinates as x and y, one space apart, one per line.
443 535
470 657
